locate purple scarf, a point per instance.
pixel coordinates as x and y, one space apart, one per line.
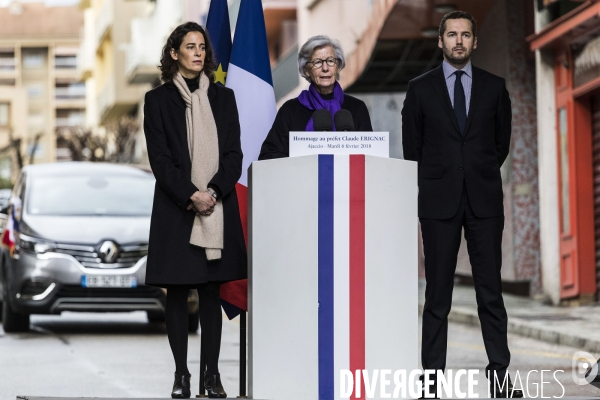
312 100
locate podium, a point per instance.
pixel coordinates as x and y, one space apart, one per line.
333 273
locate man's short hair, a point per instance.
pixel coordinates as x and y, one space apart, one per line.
457 15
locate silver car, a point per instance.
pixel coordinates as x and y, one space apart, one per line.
82 244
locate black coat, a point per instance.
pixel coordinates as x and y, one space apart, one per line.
172 260
447 159
293 117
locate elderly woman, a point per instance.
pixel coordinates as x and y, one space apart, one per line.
196 241
320 61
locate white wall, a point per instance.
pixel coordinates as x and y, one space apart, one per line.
385 109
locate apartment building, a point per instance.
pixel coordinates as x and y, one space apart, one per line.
39 85
103 54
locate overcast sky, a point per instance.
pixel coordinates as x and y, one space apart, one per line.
5 3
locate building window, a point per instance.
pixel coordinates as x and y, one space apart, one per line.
7 60
65 62
73 90
33 60
70 117
35 90
4 114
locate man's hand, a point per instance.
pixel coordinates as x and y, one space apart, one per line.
202 203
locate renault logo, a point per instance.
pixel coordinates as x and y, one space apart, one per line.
108 251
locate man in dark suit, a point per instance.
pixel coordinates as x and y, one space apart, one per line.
456 123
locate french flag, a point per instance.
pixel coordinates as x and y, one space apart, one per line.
233 294
249 75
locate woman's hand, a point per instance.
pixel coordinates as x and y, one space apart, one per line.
202 203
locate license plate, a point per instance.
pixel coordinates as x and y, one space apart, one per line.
115 281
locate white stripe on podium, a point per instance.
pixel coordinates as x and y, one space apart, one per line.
341 278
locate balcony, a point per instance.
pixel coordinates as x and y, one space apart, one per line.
107 98
285 73
144 52
86 56
70 121
65 62
65 68
70 92
8 64
8 70
104 21
69 95
147 37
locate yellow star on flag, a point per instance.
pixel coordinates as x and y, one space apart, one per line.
220 75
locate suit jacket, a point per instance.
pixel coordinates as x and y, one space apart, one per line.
449 160
172 260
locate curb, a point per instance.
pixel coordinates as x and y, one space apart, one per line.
521 327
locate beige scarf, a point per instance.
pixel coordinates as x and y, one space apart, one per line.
203 144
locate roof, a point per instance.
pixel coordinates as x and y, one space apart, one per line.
84 168
30 20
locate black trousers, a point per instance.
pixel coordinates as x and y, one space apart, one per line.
441 241
211 324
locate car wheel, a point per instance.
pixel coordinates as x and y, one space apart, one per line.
12 321
194 322
156 316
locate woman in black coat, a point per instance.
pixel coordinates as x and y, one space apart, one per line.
320 61
196 241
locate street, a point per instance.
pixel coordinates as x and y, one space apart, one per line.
102 355
122 355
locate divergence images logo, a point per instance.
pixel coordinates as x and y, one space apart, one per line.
108 251
584 368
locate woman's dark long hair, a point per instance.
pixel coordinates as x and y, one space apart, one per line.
169 67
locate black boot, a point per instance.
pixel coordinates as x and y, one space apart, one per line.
181 387
213 386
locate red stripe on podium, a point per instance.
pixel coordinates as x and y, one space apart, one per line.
357 267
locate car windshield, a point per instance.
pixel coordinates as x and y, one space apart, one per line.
91 195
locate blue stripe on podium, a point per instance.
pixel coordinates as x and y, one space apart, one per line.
325 240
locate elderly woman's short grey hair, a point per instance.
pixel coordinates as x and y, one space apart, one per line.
315 43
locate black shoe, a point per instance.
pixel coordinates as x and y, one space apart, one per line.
432 389
432 392
213 386
434 396
506 392
181 387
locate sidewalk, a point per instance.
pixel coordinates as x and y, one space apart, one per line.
578 327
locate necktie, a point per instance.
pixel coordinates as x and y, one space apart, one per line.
460 103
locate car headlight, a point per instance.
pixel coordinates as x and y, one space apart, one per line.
35 245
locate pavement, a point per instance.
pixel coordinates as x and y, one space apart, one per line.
575 326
